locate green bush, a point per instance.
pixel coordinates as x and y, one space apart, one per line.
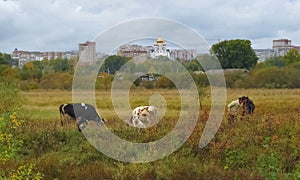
9 95
9 145
270 77
232 77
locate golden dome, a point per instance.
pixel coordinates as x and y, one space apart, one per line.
155 44
164 44
159 40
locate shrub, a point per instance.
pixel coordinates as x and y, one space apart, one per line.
232 77
10 99
9 145
27 171
164 82
268 166
28 85
57 81
270 77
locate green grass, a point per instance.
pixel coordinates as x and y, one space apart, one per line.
264 145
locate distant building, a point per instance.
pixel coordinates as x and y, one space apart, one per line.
280 48
159 48
183 54
282 43
24 57
87 52
263 54
52 55
70 54
132 51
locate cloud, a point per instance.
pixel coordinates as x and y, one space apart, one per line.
62 24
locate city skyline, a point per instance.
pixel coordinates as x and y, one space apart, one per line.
59 25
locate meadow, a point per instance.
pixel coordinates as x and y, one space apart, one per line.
262 146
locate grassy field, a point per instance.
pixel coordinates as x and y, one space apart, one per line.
263 146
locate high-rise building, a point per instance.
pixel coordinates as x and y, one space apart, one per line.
281 46
87 52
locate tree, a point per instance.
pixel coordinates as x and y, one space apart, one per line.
60 65
4 58
235 54
31 70
192 65
113 64
275 61
292 56
8 72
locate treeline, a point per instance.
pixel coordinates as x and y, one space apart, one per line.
266 77
276 72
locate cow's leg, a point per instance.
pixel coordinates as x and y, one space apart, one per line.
67 121
61 113
61 120
230 118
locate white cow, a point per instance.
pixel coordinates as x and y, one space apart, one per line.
143 116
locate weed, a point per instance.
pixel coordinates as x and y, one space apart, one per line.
267 165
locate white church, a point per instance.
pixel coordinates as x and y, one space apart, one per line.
159 49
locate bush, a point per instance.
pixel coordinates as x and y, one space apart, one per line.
270 77
232 77
10 99
28 85
164 82
9 145
27 171
57 81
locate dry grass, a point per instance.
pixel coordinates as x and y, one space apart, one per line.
270 137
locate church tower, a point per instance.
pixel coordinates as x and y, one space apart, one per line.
160 49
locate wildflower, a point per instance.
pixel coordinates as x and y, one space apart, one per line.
16 122
12 116
1 136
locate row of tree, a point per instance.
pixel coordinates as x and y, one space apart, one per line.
276 72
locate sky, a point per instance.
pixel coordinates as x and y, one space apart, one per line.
60 25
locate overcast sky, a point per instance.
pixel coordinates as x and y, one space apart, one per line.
59 25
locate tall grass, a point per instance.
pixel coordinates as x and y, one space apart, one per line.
262 146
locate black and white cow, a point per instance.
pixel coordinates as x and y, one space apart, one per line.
81 112
248 105
143 116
